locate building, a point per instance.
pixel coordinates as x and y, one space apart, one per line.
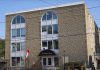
63 36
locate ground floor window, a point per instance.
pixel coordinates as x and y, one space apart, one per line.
50 61
13 61
17 61
56 61
46 61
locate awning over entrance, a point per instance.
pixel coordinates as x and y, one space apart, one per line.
47 53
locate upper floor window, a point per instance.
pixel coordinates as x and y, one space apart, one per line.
50 44
50 29
19 46
18 19
49 23
19 32
49 16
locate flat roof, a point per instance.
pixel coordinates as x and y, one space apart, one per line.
43 8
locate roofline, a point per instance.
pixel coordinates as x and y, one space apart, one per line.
44 8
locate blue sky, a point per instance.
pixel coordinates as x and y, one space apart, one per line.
7 6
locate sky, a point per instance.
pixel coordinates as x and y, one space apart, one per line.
7 6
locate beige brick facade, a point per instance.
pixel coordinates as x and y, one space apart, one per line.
73 24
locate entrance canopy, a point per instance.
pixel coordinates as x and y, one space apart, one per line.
47 53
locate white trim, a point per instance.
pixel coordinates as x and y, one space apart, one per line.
15 40
15 26
52 61
37 9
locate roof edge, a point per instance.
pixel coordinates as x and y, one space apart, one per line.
44 8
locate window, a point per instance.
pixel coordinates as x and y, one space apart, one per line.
44 17
44 61
18 19
50 44
49 61
14 21
50 26
22 61
55 29
49 15
22 20
23 32
13 61
18 32
13 47
18 46
44 29
49 29
55 42
54 16
56 61
22 45
44 43
16 61
14 33
52 29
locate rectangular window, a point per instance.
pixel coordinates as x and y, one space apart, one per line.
44 43
49 61
44 61
44 29
50 44
56 61
22 46
23 32
49 29
18 61
22 61
13 47
14 33
55 42
18 32
14 61
18 46
55 29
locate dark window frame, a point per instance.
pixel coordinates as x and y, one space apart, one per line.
44 61
49 61
50 31
44 43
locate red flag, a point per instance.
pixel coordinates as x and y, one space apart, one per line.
27 54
